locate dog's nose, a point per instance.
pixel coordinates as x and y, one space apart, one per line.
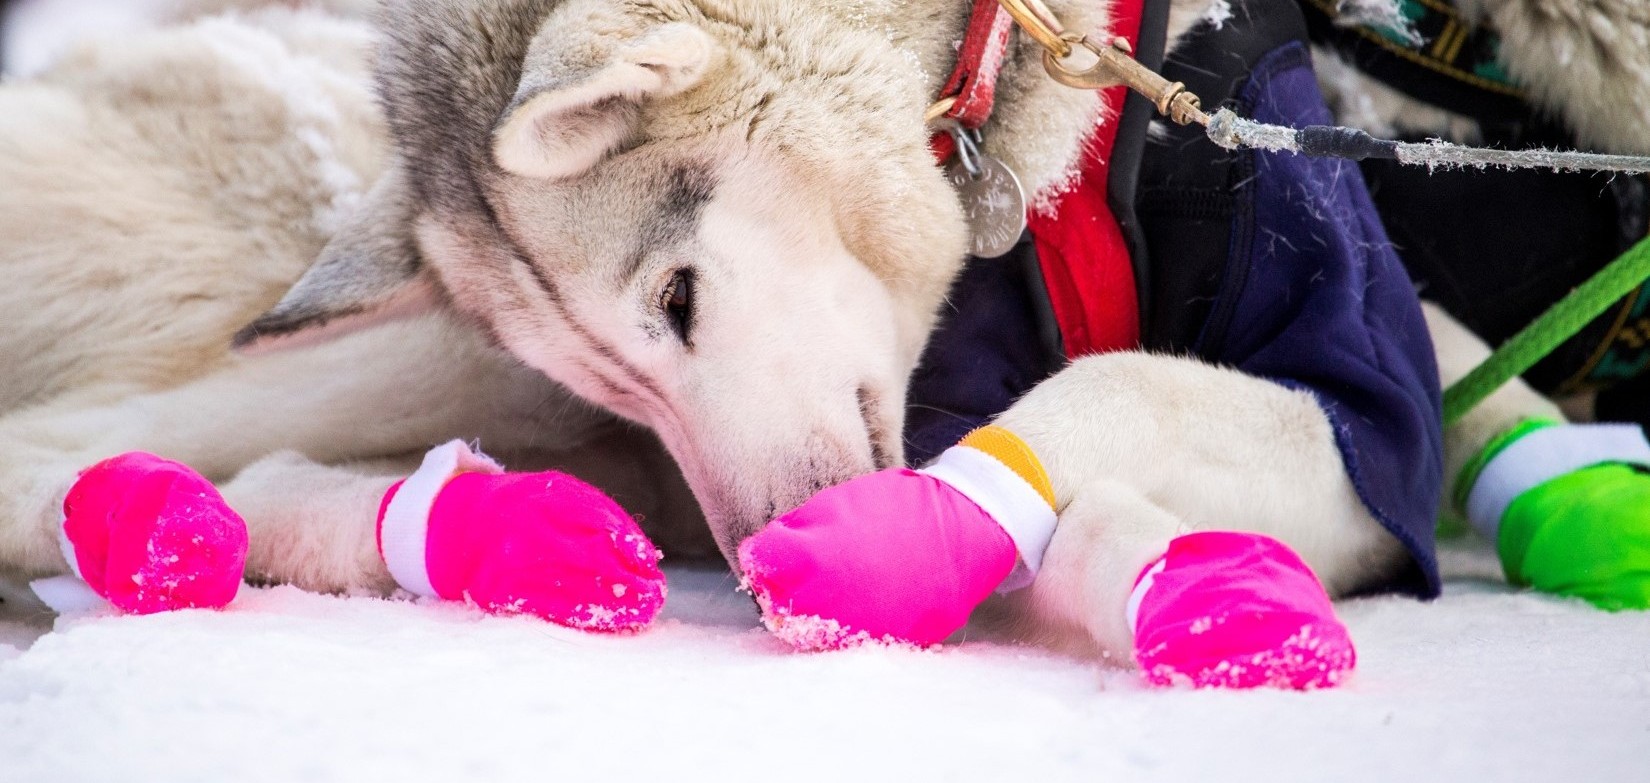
740 525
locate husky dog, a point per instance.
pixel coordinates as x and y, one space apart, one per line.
209 164
718 220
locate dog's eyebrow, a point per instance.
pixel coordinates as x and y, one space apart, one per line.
633 265
553 296
687 189
691 186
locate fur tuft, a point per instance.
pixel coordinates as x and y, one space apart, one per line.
1587 61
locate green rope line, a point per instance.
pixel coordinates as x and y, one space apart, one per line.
1561 322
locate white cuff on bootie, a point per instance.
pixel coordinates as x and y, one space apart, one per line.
404 530
1543 455
67 595
997 470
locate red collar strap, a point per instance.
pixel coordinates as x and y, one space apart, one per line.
980 60
1081 248
972 87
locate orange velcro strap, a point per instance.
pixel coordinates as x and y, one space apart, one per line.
1007 448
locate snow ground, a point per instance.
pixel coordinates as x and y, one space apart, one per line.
1484 684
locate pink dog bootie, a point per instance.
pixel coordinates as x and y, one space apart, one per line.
904 556
147 535
545 544
1236 610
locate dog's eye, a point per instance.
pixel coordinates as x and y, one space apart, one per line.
677 302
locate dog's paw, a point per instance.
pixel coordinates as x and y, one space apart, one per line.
540 544
1585 534
1236 610
897 556
1568 507
151 535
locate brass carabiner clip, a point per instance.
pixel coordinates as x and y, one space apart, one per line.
1115 65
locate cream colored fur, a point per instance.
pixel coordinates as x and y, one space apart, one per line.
155 197
1459 351
1586 62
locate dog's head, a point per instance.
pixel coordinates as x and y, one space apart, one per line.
721 220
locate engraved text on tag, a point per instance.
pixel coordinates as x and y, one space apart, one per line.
994 204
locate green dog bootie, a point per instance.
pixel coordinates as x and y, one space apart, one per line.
1568 507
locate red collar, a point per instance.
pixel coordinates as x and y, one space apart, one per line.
1080 246
973 83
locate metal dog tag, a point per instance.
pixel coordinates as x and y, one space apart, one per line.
994 203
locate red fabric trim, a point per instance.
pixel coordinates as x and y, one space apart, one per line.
1085 260
943 147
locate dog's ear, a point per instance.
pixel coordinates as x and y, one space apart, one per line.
370 273
581 99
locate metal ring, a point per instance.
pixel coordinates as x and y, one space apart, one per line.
968 152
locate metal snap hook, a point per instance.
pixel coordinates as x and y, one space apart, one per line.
1115 65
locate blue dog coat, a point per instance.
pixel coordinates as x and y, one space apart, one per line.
1272 263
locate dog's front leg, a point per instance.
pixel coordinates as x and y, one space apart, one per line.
1195 519
308 523
313 525
1106 536
1459 351
42 451
1565 505
1141 449
395 391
